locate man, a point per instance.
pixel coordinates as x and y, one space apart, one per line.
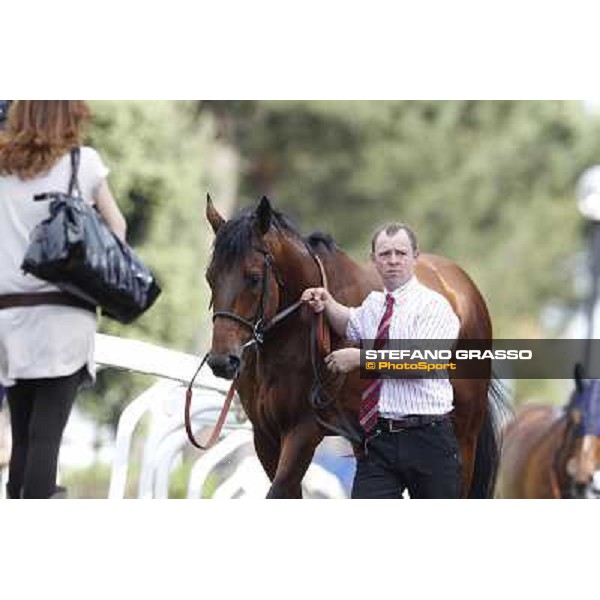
409 437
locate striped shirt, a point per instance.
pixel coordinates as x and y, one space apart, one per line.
419 313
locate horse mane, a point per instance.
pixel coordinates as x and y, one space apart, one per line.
234 238
318 240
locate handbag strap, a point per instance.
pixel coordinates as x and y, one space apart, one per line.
74 181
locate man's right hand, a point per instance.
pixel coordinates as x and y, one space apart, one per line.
316 298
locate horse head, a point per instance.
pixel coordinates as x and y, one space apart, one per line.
244 280
584 411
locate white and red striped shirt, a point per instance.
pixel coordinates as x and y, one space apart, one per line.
419 314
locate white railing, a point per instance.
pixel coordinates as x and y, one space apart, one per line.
166 439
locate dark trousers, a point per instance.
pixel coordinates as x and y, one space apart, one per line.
423 460
39 411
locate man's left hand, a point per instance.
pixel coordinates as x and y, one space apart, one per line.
343 361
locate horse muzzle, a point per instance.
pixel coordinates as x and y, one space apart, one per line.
225 366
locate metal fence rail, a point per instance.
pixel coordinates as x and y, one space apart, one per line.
231 465
232 462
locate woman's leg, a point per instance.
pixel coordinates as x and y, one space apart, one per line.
52 405
20 402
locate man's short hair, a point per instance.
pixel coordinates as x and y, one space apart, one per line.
392 229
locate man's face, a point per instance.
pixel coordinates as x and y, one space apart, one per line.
394 259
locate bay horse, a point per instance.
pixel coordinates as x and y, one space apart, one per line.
552 452
259 267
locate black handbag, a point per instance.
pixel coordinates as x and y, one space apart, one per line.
75 250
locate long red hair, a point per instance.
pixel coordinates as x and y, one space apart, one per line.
38 133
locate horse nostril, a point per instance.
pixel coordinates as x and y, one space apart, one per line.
213 361
224 365
234 362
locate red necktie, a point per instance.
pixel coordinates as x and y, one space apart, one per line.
370 397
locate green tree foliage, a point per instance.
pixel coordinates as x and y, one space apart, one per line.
488 184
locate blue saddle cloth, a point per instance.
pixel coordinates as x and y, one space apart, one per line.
588 403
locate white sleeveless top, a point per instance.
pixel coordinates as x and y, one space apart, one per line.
41 341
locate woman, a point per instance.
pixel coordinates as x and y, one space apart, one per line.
46 351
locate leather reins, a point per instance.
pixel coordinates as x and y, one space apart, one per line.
259 327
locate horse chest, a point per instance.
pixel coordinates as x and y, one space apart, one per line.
276 401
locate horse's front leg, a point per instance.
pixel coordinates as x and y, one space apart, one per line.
297 450
267 449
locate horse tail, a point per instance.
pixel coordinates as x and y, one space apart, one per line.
489 442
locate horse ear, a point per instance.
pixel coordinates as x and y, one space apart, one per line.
213 216
264 213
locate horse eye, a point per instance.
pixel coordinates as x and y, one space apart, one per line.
253 279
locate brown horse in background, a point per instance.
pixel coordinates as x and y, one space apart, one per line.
260 265
544 455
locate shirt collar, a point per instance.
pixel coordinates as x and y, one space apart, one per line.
402 290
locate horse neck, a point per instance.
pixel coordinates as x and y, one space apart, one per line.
298 268
349 281
298 271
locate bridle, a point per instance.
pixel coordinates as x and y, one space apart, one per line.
319 398
562 453
570 436
259 326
